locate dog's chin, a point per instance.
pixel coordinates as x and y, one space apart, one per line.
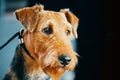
56 72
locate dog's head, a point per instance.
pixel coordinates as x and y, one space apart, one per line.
48 38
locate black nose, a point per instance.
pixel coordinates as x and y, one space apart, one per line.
64 60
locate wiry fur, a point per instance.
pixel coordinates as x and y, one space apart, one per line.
44 48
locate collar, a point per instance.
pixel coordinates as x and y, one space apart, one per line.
22 44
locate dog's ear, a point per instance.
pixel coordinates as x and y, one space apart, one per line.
72 19
29 16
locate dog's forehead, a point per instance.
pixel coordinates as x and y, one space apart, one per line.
51 14
57 18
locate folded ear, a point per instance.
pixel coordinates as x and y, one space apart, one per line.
72 19
28 16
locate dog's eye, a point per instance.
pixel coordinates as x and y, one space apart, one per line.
68 32
47 30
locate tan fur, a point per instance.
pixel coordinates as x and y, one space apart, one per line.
47 48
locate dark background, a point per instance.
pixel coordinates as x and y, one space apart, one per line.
95 35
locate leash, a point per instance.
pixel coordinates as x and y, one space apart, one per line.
15 35
22 44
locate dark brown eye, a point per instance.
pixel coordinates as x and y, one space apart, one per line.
68 32
47 30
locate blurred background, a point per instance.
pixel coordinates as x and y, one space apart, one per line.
94 42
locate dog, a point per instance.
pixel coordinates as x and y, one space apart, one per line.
45 51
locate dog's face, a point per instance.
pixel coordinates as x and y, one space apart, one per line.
48 38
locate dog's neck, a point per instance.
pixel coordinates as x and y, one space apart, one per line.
33 70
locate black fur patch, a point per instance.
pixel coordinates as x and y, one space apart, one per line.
7 77
17 64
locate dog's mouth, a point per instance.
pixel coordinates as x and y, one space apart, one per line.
57 67
54 73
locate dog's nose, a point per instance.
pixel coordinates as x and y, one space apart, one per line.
64 60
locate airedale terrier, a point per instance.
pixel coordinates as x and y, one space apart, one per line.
47 51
